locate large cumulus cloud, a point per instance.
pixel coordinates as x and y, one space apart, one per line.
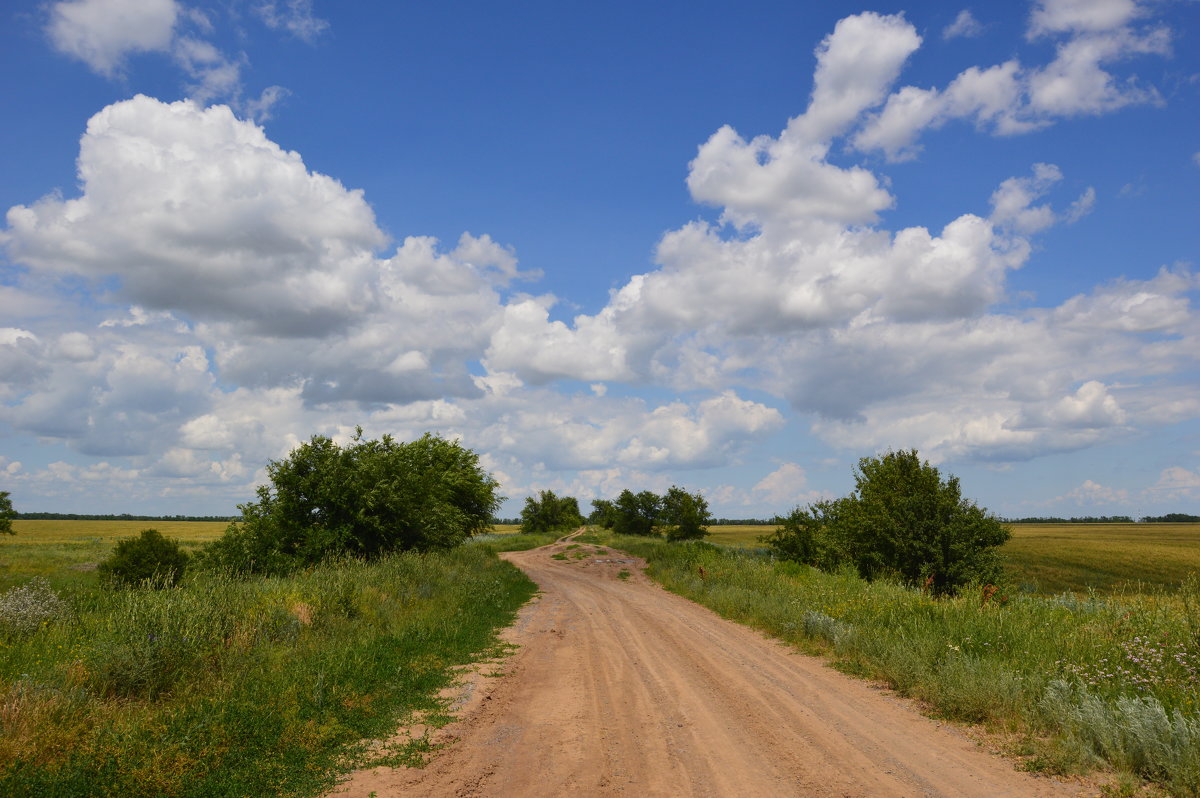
890 337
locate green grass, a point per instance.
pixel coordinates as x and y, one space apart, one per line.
1074 682
233 688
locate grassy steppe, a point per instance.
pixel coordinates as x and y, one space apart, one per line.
1052 558
223 687
1073 683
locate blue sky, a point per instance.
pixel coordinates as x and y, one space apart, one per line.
625 245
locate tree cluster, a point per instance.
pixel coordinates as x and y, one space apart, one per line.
1083 519
120 517
1172 518
550 513
363 499
903 520
678 514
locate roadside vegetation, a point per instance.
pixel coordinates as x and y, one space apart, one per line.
334 609
232 687
364 499
1071 682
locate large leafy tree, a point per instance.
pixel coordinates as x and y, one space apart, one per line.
903 519
684 515
550 513
363 499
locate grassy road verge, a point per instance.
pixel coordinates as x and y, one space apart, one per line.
232 688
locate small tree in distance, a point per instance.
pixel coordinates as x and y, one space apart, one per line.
550 513
7 514
604 513
678 514
685 515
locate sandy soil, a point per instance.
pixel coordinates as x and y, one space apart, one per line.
621 688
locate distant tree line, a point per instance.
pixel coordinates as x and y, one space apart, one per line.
1169 518
121 517
1083 519
743 522
677 514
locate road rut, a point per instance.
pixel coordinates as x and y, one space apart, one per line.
622 688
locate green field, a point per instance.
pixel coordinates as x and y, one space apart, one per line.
1053 558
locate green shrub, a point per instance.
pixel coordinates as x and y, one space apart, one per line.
7 514
149 559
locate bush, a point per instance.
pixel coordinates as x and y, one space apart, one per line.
149 559
904 520
365 499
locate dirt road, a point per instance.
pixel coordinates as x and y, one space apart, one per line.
620 687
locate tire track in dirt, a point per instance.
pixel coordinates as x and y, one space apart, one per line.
622 688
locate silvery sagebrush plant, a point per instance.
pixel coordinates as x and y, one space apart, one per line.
27 607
